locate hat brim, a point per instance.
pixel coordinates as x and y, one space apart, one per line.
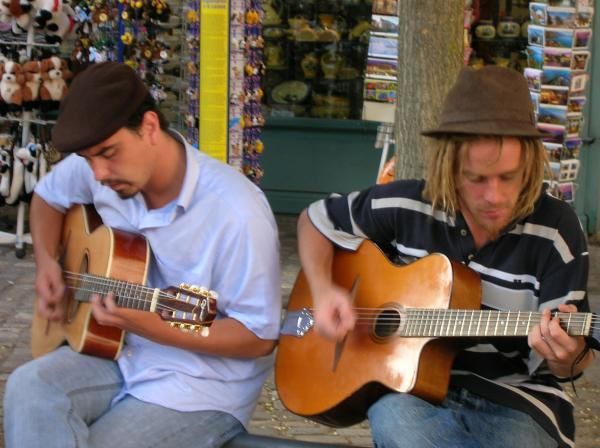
491 128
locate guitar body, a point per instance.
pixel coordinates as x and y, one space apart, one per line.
372 363
90 247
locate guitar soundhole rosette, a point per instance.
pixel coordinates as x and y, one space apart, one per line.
388 322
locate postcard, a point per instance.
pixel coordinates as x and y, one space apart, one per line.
535 99
382 68
535 57
552 114
576 104
574 124
567 191
568 169
559 38
561 17
580 60
556 76
572 147
582 38
384 24
533 77
565 3
535 35
556 96
557 57
556 133
385 7
554 151
381 91
584 17
579 83
383 47
537 13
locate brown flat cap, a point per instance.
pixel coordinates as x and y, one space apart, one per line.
492 101
99 102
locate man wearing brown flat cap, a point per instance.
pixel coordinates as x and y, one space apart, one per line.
205 224
483 205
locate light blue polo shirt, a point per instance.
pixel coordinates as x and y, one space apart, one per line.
219 233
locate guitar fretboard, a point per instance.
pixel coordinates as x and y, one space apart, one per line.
128 295
480 323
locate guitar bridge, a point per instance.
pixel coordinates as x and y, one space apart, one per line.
297 323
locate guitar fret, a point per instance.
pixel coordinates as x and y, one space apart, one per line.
479 322
569 323
462 325
470 323
517 324
506 323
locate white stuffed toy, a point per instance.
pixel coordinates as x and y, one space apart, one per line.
30 157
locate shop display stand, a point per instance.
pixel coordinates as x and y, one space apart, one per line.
19 237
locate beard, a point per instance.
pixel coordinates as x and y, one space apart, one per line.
126 192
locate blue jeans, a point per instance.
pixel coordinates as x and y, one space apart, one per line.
63 400
463 420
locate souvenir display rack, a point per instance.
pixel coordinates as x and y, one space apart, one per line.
27 109
381 73
558 51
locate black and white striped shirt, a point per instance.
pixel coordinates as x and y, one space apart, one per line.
535 264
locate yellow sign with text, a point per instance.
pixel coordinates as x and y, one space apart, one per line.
214 78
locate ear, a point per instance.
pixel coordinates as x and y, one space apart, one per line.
150 126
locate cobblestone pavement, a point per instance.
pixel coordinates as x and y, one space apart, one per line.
270 417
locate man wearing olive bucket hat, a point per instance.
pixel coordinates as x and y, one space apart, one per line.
484 205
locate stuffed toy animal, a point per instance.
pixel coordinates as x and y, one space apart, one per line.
44 10
30 157
5 164
21 17
61 25
54 75
33 83
16 182
11 82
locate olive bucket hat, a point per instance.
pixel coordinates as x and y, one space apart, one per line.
492 101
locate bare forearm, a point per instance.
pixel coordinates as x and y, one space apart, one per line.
316 253
227 337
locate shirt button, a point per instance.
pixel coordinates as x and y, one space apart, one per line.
463 232
470 256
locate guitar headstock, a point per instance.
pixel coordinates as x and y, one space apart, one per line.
189 308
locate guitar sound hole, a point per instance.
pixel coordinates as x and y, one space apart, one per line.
387 324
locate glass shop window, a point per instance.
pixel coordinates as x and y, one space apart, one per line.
315 52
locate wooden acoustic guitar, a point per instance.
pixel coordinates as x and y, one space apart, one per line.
408 319
99 259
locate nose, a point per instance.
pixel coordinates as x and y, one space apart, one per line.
493 193
99 168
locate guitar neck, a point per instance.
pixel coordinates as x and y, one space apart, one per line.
481 323
127 295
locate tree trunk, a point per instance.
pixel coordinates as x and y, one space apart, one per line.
430 55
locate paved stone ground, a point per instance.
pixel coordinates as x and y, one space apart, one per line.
270 418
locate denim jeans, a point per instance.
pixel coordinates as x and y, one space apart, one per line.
64 399
463 420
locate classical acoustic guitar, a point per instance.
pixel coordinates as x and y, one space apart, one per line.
99 259
409 318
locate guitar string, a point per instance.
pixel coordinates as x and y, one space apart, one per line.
104 282
428 316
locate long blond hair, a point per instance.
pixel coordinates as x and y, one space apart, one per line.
445 164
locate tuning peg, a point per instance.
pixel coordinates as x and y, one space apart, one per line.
213 294
204 332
